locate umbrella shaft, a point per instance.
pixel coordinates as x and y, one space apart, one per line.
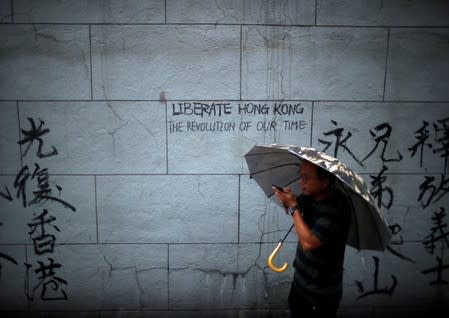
283 239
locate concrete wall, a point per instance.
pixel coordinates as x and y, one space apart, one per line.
119 197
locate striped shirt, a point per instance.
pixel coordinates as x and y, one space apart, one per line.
319 272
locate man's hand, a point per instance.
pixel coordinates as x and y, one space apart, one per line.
286 197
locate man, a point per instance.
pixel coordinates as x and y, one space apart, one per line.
321 216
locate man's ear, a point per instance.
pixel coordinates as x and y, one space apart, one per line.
327 182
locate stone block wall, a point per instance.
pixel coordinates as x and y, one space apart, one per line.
123 186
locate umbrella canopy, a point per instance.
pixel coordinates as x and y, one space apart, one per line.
280 165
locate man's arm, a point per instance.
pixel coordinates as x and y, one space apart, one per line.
307 239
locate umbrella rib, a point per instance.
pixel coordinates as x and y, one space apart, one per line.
275 167
269 153
294 180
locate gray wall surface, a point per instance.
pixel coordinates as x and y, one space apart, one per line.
120 197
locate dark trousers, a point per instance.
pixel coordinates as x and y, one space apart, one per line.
301 307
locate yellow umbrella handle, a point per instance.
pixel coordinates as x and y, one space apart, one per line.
273 254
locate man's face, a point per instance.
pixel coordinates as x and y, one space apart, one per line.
309 182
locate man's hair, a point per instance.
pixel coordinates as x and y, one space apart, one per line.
323 174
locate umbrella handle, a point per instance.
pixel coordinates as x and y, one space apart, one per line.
273 254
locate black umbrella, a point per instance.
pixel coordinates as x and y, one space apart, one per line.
279 164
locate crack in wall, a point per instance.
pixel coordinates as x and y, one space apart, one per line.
40 34
236 275
114 131
135 273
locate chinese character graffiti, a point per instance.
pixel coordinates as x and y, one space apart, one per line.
5 257
431 193
340 142
439 232
376 289
442 139
42 241
35 134
50 285
383 194
381 135
439 144
422 136
438 270
32 188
